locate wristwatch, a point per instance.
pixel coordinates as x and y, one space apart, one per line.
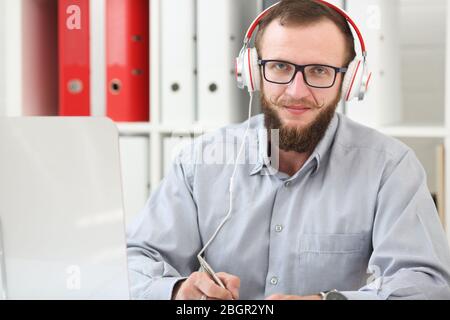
332 295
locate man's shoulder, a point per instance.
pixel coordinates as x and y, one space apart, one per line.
354 136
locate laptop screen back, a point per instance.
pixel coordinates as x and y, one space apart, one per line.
61 210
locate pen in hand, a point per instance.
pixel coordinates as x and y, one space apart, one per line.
205 267
198 285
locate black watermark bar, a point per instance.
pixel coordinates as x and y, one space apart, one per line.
217 309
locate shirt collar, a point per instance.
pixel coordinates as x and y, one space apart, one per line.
263 160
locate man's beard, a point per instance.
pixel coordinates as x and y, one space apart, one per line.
301 140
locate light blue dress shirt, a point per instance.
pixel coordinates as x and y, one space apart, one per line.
357 217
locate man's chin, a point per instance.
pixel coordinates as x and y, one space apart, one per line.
295 122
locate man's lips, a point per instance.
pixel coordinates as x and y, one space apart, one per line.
297 109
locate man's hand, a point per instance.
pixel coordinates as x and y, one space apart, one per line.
200 284
287 297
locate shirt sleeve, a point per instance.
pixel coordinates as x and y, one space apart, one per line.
411 258
164 239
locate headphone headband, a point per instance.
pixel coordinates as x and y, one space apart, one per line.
344 14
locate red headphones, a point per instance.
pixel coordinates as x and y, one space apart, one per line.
356 79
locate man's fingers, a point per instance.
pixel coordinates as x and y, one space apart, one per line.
231 282
206 285
194 294
190 292
200 283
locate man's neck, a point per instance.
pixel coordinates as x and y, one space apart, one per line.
290 162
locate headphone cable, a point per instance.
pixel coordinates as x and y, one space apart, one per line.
232 178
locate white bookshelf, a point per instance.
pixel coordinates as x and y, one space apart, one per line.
160 129
165 137
415 131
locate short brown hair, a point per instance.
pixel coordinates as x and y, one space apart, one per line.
307 12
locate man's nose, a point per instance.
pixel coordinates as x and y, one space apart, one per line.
298 88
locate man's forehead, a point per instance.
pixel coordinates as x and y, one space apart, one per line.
320 40
292 24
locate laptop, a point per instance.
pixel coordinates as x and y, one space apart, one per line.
62 230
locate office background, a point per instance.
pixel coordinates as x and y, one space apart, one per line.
191 49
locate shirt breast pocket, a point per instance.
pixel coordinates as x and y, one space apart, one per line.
332 261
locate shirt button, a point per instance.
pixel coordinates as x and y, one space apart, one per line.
274 281
287 184
278 228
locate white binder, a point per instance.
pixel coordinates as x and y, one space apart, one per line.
221 25
134 158
11 99
378 21
178 61
98 56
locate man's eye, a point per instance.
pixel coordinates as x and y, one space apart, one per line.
281 66
319 70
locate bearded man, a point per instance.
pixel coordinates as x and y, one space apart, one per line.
327 209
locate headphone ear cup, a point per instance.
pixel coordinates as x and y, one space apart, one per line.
239 69
251 74
365 84
352 82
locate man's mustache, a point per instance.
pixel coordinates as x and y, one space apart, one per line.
281 102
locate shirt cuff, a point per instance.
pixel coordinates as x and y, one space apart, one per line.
359 295
162 288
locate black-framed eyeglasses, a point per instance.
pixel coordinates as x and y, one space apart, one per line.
315 75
